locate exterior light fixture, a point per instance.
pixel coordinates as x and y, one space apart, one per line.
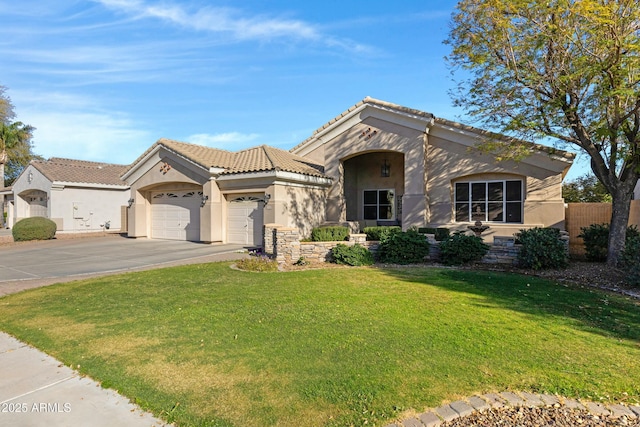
130 202
267 197
204 200
385 169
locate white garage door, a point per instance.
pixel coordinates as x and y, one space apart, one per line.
175 215
245 221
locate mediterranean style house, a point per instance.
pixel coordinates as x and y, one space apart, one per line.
376 163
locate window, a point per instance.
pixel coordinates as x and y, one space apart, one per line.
492 201
378 204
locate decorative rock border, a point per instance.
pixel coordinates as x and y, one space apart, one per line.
463 408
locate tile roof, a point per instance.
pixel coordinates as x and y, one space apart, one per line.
257 159
266 158
427 116
80 171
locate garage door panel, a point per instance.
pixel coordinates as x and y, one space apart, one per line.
245 221
175 215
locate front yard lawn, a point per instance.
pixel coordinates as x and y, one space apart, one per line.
206 345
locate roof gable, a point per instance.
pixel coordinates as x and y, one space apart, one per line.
410 117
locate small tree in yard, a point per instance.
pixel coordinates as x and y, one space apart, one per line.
562 69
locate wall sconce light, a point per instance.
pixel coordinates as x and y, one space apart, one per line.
267 197
204 200
385 169
130 202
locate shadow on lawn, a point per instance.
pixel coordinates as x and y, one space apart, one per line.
593 310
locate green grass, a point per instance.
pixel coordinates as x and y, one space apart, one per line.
206 345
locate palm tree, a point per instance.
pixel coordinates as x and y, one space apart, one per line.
15 145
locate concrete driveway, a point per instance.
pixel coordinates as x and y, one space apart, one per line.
32 264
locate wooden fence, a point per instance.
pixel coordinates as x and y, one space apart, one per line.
579 215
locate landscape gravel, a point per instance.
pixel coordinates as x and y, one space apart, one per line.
556 416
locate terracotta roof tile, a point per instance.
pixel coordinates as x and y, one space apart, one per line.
265 158
256 159
80 171
205 156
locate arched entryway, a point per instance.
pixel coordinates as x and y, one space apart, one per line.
373 187
37 203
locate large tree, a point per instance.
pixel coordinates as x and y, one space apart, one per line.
585 189
15 142
562 69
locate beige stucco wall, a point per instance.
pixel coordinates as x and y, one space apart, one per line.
399 142
296 206
181 176
449 162
434 156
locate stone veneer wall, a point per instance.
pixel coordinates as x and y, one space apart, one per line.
283 243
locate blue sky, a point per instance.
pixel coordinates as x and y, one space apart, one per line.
103 80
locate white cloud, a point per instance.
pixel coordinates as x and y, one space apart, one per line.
229 140
232 22
75 127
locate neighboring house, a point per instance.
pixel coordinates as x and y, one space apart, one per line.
77 195
183 191
395 165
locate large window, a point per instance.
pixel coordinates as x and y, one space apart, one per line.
492 201
378 204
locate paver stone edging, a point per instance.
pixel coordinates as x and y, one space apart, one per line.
463 408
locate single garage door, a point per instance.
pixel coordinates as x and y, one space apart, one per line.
245 221
175 215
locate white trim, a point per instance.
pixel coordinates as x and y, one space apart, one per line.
62 184
216 171
289 176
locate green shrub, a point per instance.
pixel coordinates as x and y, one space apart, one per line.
330 234
630 258
542 248
257 263
381 233
439 233
460 248
596 241
409 247
355 255
34 228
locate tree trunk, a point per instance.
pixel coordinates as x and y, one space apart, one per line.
619 221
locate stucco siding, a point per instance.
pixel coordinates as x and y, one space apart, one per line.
296 206
87 209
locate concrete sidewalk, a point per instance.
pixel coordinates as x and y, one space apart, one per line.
38 390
